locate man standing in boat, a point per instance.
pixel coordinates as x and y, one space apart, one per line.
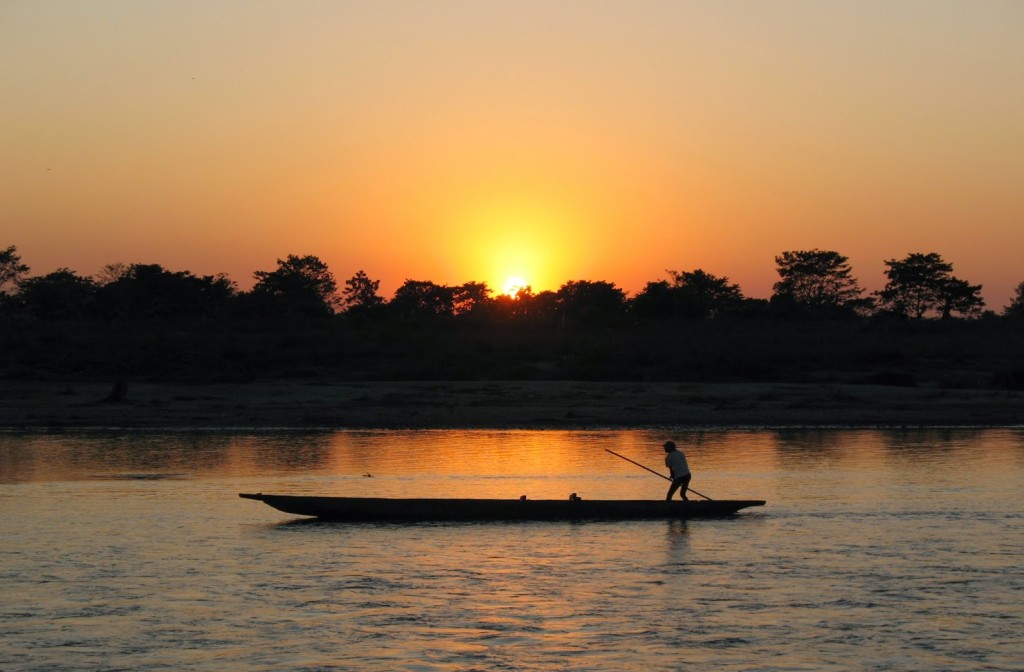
678 469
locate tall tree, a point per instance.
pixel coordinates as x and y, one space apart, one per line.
817 281
360 294
1016 308
298 286
959 296
923 283
11 268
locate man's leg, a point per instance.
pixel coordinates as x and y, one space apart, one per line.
672 489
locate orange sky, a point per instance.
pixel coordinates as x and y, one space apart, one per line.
474 141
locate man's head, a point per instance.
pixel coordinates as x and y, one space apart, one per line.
670 446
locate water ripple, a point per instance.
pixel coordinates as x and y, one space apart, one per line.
864 558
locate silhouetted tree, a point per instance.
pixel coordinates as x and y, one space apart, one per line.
151 291
1016 308
691 295
817 282
11 268
590 301
656 300
360 294
958 296
920 283
422 298
299 286
914 284
111 273
59 295
470 297
507 307
544 306
702 294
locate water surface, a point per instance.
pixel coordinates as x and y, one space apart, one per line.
879 549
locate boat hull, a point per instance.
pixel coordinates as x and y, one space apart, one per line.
413 510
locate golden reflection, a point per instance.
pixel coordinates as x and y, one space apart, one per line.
762 464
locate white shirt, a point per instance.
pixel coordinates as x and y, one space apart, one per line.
676 463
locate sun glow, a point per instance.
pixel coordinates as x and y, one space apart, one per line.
513 286
518 242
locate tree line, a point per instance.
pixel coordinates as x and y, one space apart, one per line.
812 284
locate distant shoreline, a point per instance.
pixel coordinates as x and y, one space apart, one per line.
313 404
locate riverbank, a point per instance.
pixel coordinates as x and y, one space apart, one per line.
541 404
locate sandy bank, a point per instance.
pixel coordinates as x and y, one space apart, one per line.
548 404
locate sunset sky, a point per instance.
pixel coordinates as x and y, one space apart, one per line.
458 141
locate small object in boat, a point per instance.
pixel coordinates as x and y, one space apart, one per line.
522 498
574 498
367 475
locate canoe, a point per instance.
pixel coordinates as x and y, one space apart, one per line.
412 510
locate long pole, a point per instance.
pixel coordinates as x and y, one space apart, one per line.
656 473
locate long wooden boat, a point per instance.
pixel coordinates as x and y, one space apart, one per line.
413 510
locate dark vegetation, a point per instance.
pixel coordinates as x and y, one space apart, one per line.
925 328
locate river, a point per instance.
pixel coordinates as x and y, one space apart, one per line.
878 549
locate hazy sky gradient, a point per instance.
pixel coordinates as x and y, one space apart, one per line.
456 141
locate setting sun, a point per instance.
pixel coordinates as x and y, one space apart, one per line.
513 286
516 241
543 141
